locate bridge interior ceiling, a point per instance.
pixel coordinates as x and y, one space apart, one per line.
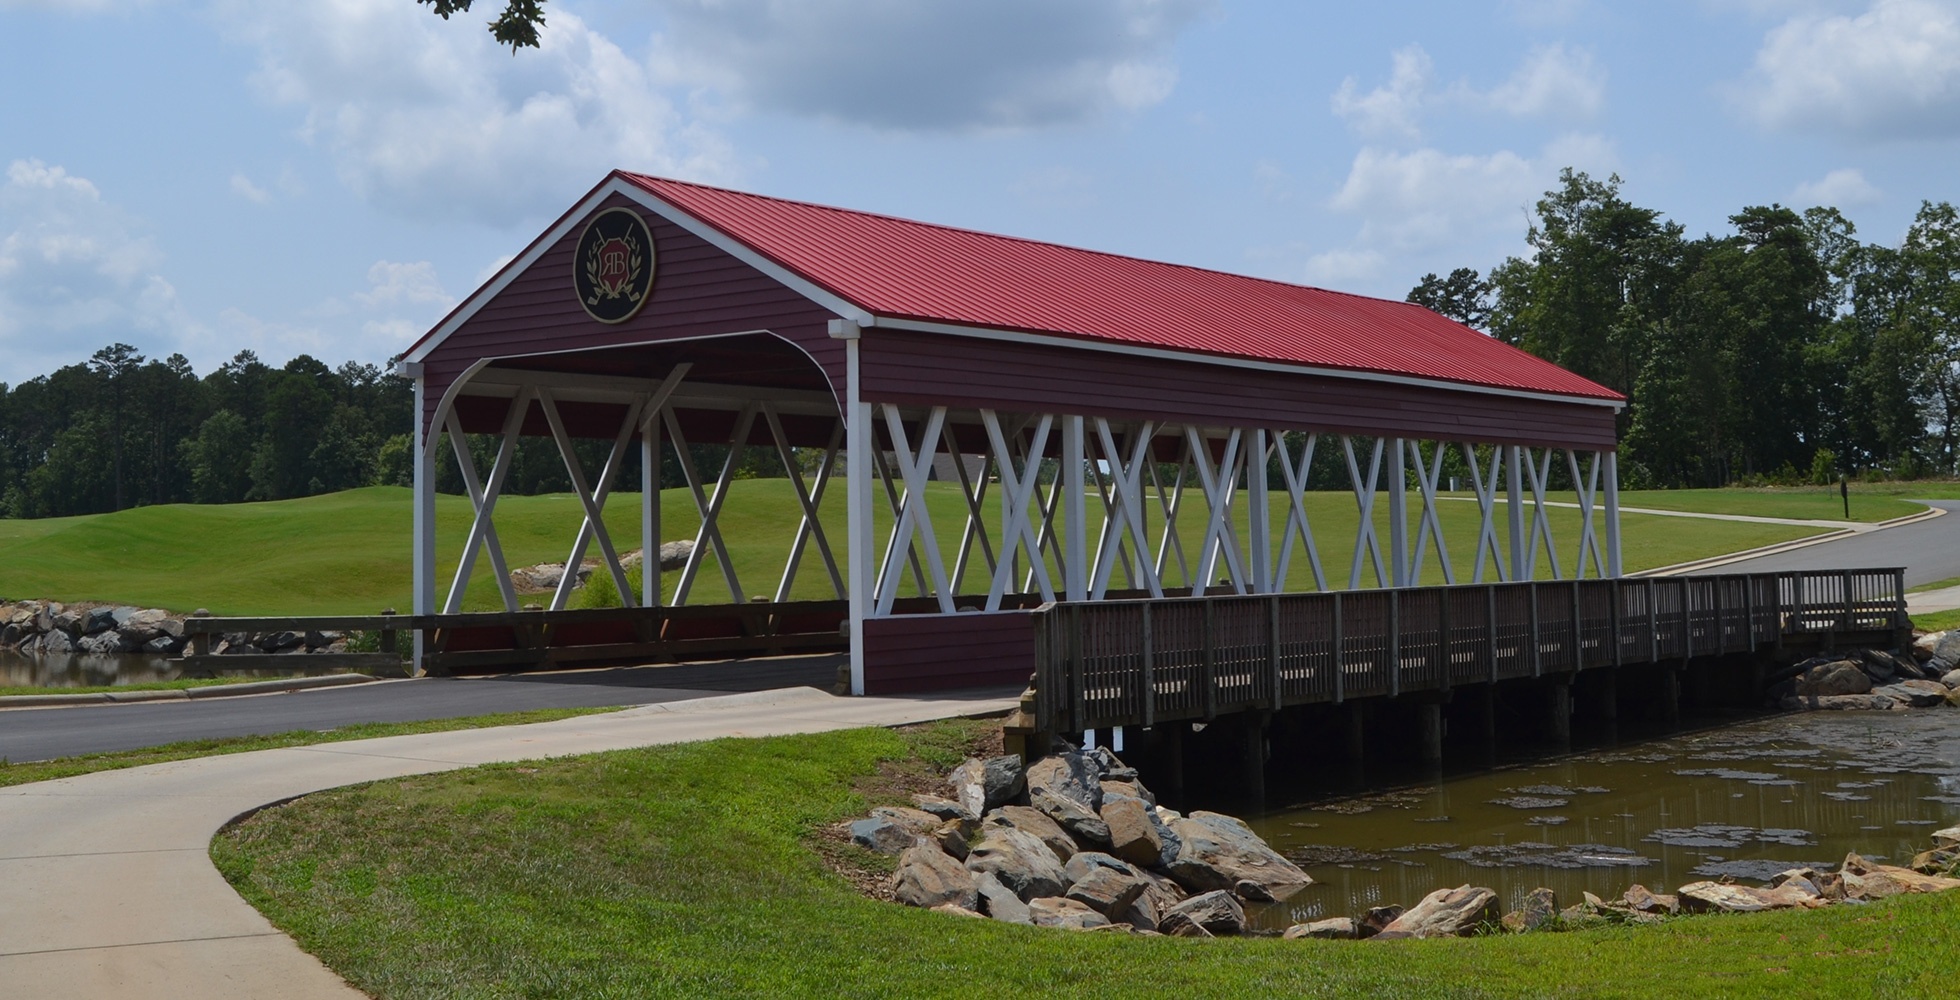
972 509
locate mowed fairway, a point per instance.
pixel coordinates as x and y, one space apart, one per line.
348 553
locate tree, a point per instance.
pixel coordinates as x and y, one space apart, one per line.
220 459
114 365
516 27
1464 296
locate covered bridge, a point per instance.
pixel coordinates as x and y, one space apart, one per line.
1078 402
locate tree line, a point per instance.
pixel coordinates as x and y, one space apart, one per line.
1787 350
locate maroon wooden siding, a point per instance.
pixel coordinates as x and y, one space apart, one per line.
949 370
698 291
913 653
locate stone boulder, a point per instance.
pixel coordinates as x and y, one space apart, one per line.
1075 776
1377 917
916 820
673 555
955 836
106 643
1107 891
1640 899
980 785
1127 786
929 877
1132 830
1030 820
1019 860
942 807
98 620
1085 826
1949 837
1829 885
70 622
1538 909
1211 914
1951 679
1918 694
1000 902
881 834
1714 897
1217 852
1331 929
1868 880
1068 914
1945 653
1458 912
55 643
1834 678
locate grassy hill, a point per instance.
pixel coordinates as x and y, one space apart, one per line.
348 553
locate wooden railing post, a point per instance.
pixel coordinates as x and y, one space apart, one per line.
1537 655
200 640
1077 688
1618 608
1653 623
1578 630
1687 620
1443 634
1210 678
1490 628
1394 643
1340 671
1149 671
388 642
1272 652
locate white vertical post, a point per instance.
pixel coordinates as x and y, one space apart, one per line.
1259 526
1398 514
1514 510
425 510
1075 511
650 590
857 494
1613 570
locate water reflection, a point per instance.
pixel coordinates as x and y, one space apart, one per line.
82 670
1746 801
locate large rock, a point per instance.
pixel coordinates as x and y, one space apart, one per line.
916 820
1331 929
97 620
1132 831
1377 917
929 877
1951 679
1217 852
955 836
1868 880
943 807
882 835
1458 912
1538 909
1833 678
1845 703
1918 694
673 555
1714 897
1107 891
1127 786
1056 911
1075 776
1084 825
1946 652
1019 860
56 642
1949 837
70 622
1030 820
1640 899
106 643
979 785
1829 885
1208 915
1000 902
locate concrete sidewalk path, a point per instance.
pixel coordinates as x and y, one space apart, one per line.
106 884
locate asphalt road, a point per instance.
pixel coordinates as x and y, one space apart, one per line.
1929 550
40 734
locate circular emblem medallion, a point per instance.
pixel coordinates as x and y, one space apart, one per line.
613 269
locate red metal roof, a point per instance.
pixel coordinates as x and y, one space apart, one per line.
896 268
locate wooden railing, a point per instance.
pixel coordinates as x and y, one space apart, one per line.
1139 662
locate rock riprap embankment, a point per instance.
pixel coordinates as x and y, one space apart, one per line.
49 628
1875 680
1076 841
545 577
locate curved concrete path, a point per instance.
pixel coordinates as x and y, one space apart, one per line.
107 889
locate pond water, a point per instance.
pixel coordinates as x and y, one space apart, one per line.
1746 801
79 670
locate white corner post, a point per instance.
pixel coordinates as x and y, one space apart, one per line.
1613 569
1514 515
1398 514
857 493
1075 511
426 436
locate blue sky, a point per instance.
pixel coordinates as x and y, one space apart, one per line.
330 176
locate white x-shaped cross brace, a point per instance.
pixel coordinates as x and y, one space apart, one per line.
1367 544
592 499
1220 483
1295 475
1125 509
1588 539
1486 486
974 490
914 519
808 500
1017 486
483 499
1170 502
709 536
1541 523
1431 525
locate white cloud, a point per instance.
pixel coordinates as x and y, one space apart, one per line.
75 273
1343 269
1555 81
391 283
897 64
429 118
1893 70
1838 189
243 187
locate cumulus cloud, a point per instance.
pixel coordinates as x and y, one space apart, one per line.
1838 189
1893 70
1419 201
401 301
431 119
75 272
1554 82
896 64
243 187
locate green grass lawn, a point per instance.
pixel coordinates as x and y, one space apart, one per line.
692 871
348 553
1869 501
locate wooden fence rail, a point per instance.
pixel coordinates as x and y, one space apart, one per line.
1140 662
